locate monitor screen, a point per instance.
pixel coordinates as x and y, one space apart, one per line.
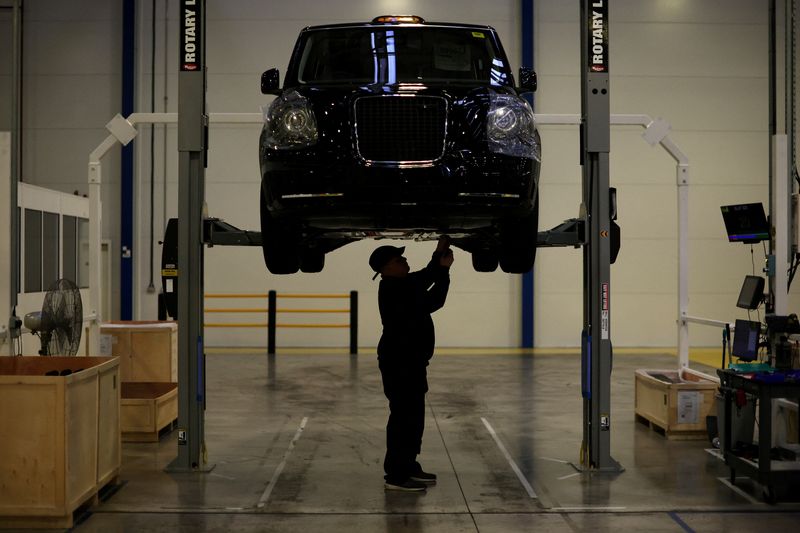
745 340
745 222
752 292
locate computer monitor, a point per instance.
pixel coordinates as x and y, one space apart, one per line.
752 292
745 223
782 324
745 340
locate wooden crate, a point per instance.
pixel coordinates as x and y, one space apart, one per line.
148 351
147 408
60 437
674 403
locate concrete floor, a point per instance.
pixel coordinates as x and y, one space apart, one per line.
300 448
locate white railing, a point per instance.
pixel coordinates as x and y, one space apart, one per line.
124 130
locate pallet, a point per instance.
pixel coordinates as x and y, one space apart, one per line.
60 522
671 435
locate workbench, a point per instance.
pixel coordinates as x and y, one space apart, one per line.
765 387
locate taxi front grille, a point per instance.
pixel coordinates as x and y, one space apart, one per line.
400 129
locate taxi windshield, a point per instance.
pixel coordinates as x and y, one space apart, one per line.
396 54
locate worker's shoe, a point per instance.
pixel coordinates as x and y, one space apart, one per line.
424 477
408 485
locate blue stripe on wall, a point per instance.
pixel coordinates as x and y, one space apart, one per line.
126 175
527 278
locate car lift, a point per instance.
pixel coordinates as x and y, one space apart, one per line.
597 232
600 207
594 231
193 149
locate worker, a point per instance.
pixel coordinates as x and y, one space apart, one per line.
406 301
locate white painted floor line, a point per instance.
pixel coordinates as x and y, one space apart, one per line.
562 461
714 452
588 508
514 466
264 497
739 491
569 476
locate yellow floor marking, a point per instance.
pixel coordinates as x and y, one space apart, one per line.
707 356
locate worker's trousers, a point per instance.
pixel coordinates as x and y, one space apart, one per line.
405 388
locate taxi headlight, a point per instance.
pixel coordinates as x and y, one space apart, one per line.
511 128
290 122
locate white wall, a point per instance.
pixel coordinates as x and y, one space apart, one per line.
72 54
701 65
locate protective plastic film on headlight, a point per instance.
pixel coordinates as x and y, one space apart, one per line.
290 122
511 128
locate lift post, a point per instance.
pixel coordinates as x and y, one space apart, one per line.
192 146
596 350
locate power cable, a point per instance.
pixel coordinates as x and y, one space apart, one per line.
793 270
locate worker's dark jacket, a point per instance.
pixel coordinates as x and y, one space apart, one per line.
406 305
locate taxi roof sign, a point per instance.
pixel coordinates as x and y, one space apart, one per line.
398 19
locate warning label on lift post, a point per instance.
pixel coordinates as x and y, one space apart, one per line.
604 326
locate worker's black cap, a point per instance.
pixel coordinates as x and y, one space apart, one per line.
382 255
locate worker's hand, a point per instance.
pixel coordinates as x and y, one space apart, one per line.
446 260
443 244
